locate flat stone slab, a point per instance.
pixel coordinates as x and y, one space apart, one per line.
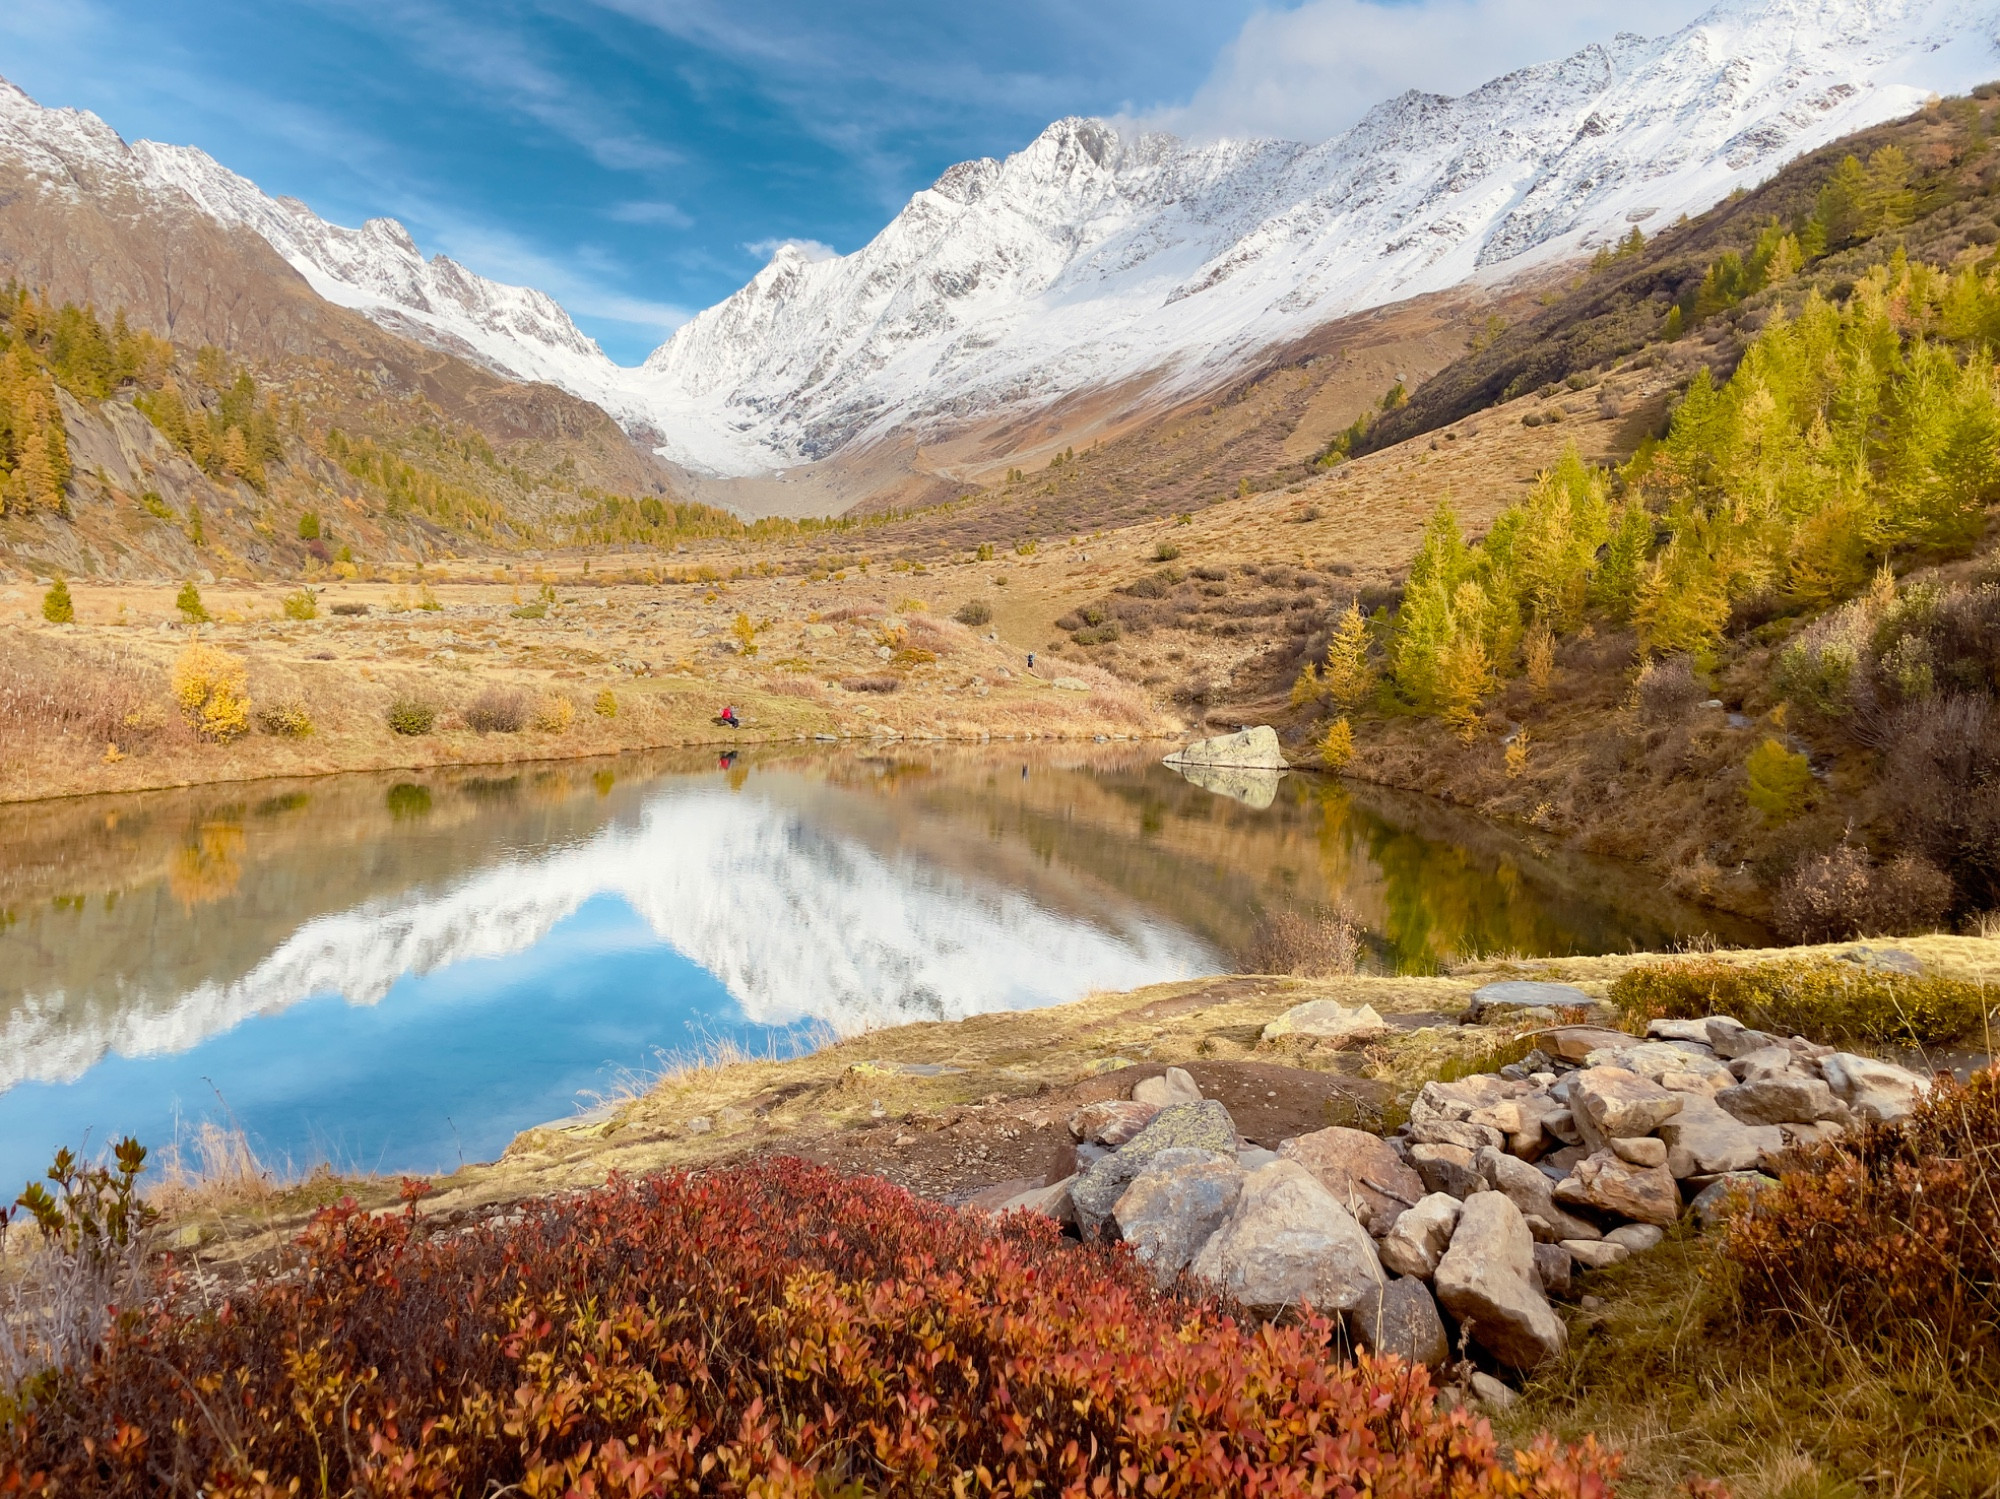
1525 994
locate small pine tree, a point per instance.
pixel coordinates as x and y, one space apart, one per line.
309 526
1336 745
1676 324
194 528
1349 676
1517 756
1778 781
56 606
188 601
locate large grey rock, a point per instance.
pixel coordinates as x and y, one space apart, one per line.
1883 959
1173 1207
1248 749
1644 1194
1420 1236
1678 1030
1732 1039
1170 1087
1780 1100
1361 1170
1524 994
1112 1122
1553 1266
1619 1102
1456 1132
1531 1192
1880 1092
1289 1241
1202 1126
1575 1042
1705 1138
1446 1168
1771 1061
1487 1277
1327 1020
1406 1324
1638 1237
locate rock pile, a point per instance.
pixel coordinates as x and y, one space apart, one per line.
1495 1193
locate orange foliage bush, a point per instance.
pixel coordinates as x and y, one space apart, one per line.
1891 1236
772 1330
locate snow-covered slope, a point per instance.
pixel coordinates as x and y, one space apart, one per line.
1099 254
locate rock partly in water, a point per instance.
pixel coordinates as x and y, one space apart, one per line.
1488 1278
1361 1170
1289 1241
1248 749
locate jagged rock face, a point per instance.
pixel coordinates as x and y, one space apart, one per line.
1097 255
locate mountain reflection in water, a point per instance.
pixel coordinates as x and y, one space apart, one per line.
399 972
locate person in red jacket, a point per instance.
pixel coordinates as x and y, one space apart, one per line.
729 717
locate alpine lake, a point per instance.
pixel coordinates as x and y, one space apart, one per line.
400 972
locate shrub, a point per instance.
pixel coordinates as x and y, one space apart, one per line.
302 604
774 1329
974 612
554 713
871 684
1778 780
1166 551
412 716
1319 944
1825 1000
1889 1238
1336 745
287 720
57 607
309 526
1843 893
606 704
1668 689
498 710
209 686
350 611
188 601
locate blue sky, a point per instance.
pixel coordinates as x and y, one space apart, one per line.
638 159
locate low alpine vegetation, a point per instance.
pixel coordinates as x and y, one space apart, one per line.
1824 1000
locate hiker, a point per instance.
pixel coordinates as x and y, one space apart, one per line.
729 717
1031 660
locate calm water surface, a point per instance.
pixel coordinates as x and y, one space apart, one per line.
402 972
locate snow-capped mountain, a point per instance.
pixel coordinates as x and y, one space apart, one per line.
1101 254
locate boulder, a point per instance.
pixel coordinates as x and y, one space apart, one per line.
1445 1168
1420 1236
1732 1039
1619 1102
1290 1241
1170 1087
1532 1192
1492 1393
1719 1198
1678 1030
1523 994
1644 1194
1596 1254
1573 1043
1172 1208
1456 1132
1327 1021
1704 1138
1250 1157
1883 959
1361 1170
1780 1100
1654 1060
1487 1278
1644 1151
1553 1266
1052 1201
1248 749
1405 1323
1111 1122
1770 1061
1880 1092
1637 1237
1182 1126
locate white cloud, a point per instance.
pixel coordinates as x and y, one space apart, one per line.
812 249
1309 73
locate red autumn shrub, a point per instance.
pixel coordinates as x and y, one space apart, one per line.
772 1330
1891 1236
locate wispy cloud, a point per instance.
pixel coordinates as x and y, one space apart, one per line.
1310 72
650 213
